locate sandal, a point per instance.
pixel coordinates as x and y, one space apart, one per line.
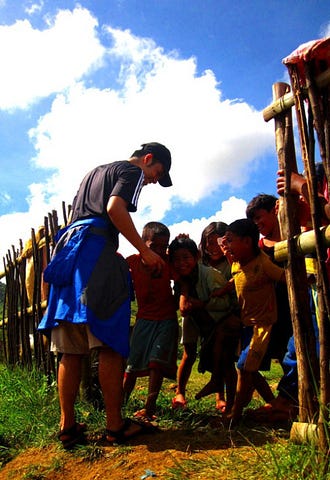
75 435
122 435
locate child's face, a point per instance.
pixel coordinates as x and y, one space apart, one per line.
184 262
158 245
265 221
213 248
240 248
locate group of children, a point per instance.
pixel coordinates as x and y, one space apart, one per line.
227 290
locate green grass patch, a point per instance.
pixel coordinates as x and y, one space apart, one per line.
29 416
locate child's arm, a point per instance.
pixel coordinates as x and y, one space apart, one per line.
217 304
228 288
187 304
298 185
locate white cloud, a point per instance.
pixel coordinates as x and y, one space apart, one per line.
210 139
231 209
37 63
325 31
161 98
4 198
34 7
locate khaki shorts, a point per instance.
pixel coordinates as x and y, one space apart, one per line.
75 338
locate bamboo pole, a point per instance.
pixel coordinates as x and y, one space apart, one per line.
307 142
286 101
304 244
316 121
295 270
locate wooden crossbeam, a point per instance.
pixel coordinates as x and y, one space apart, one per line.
287 100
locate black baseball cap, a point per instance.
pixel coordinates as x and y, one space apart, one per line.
163 155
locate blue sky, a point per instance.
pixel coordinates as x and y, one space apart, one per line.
86 83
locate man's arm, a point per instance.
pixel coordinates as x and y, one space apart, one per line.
120 217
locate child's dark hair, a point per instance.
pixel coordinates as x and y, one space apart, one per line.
214 227
154 229
261 201
245 227
183 242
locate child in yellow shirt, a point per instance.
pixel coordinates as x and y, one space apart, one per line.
254 275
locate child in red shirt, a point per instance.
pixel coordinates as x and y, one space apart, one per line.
154 341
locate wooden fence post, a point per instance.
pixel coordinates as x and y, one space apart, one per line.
295 270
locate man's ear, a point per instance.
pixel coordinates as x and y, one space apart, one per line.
148 159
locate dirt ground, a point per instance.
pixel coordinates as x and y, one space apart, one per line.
148 455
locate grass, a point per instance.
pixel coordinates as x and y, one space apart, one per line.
29 414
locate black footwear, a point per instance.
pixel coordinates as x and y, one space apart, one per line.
75 435
118 437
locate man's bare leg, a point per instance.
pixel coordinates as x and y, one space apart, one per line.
69 377
111 374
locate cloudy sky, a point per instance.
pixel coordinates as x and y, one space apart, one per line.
86 83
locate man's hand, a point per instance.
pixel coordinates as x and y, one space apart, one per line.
152 261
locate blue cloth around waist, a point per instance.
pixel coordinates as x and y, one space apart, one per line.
75 257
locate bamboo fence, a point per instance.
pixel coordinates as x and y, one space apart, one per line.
309 72
26 298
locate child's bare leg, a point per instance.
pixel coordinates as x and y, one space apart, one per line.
262 387
231 385
243 395
216 383
184 371
220 401
128 385
155 383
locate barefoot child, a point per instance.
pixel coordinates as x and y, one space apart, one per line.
220 358
263 210
254 275
154 340
194 284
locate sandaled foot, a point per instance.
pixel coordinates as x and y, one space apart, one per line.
75 435
130 429
207 390
179 402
